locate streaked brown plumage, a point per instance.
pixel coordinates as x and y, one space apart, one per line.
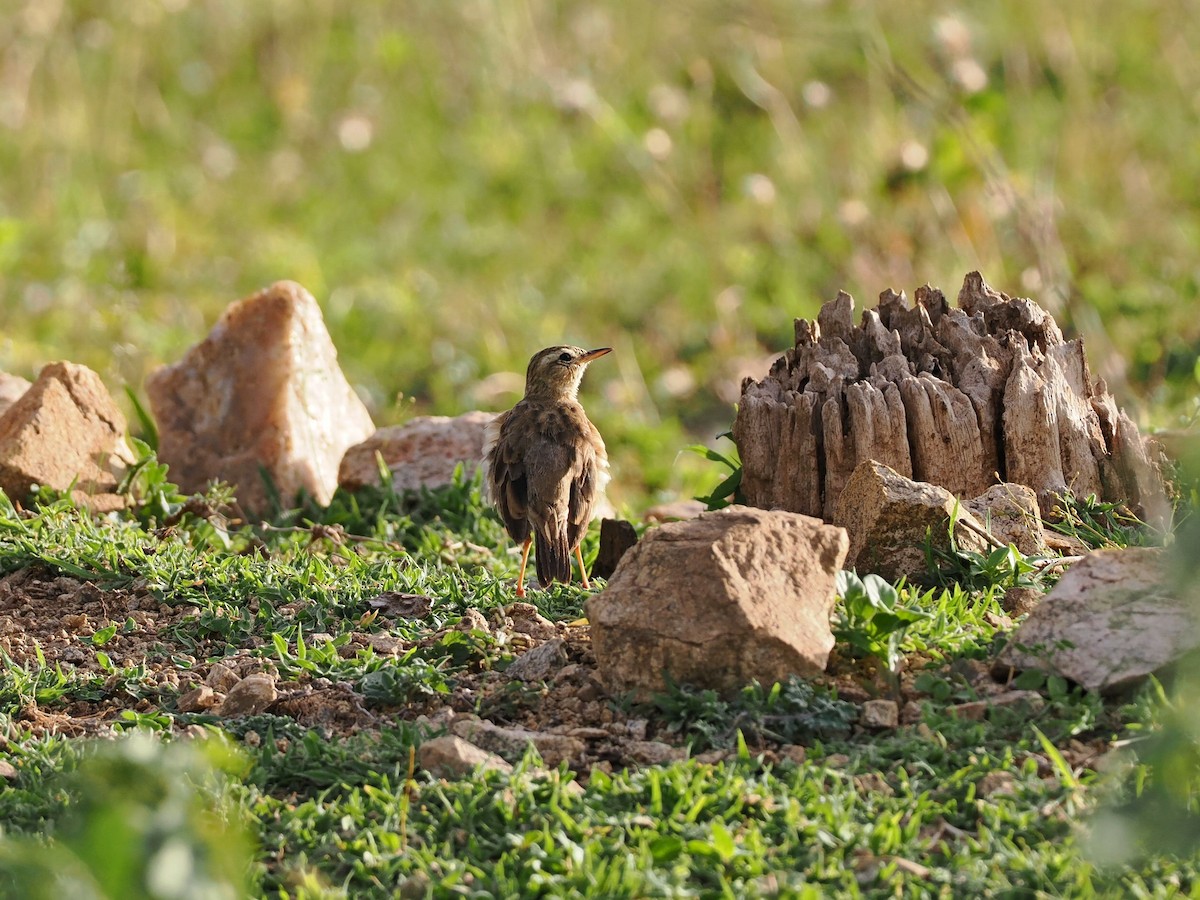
546 465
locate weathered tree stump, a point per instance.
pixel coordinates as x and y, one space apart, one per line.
961 397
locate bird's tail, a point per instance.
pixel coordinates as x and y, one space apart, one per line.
553 558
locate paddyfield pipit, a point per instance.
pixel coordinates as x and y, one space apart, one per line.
545 465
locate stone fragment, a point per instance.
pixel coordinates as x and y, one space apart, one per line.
386 644
262 393
1010 514
8 771
654 753
402 605
12 387
889 518
249 697
196 700
539 663
64 432
996 784
616 537
511 743
452 757
1020 601
794 753
1111 620
526 619
719 600
421 453
977 710
221 677
879 714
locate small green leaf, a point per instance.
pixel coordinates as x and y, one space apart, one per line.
666 848
103 636
723 842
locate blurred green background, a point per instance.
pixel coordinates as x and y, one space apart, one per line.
462 183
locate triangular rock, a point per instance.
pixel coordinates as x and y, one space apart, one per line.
64 430
262 392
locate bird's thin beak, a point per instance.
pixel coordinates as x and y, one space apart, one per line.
593 354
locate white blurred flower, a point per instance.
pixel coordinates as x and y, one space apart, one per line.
759 188
657 143
817 94
914 156
355 132
969 74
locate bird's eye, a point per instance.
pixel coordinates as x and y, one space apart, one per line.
564 358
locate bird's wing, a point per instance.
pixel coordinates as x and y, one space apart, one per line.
504 478
587 485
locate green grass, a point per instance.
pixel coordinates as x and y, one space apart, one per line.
943 805
461 184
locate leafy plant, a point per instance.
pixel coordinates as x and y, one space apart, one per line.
870 618
1099 525
793 711
145 821
729 490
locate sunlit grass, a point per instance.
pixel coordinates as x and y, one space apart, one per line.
461 184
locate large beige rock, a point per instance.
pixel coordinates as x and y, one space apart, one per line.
719 600
12 387
262 391
889 517
65 429
422 453
1111 620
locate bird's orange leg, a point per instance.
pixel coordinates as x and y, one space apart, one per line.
582 570
524 562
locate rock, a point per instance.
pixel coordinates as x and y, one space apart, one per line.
879 714
888 518
402 605
249 697
540 663
1109 622
511 743
452 757
197 699
977 710
996 784
8 771
719 600
221 677
473 620
1010 514
526 619
1020 601
675 511
793 753
262 392
12 387
616 537
421 453
654 753
386 644
65 431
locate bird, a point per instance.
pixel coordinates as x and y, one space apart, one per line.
545 465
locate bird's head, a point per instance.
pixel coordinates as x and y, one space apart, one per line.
555 372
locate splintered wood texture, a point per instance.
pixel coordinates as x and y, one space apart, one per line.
963 397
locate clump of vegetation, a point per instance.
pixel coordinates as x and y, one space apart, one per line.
791 712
